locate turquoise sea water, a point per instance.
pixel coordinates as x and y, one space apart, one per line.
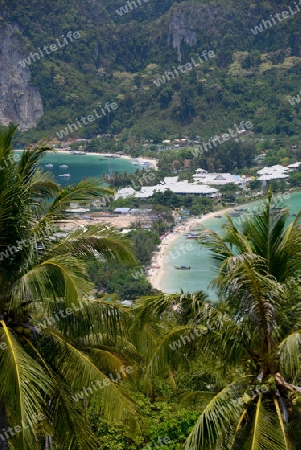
84 166
203 269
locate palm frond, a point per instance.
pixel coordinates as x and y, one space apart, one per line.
225 337
29 160
62 276
69 425
172 348
115 405
83 191
237 430
145 329
6 137
96 241
290 354
89 322
110 360
219 251
199 398
235 239
250 292
222 412
24 385
41 186
266 432
72 430
286 442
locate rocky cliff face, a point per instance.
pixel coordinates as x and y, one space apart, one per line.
19 102
188 24
180 30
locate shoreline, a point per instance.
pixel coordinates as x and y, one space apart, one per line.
157 271
154 161
155 275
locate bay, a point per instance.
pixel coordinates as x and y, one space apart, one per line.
83 166
203 270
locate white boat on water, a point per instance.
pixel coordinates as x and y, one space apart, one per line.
64 166
65 175
49 166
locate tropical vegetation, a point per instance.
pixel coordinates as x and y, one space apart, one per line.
252 333
118 58
202 374
55 338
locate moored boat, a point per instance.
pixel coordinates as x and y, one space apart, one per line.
182 267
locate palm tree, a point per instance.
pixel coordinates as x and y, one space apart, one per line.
55 341
254 331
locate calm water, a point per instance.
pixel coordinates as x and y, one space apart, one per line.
203 269
84 166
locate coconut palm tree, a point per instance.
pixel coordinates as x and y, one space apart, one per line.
254 331
55 340
267 235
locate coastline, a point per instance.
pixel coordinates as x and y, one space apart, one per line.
154 161
156 273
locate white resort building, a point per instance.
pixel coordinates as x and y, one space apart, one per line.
276 172
172 184
220 179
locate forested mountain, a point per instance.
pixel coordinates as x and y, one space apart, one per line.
123 48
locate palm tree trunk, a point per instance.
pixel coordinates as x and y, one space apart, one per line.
3 426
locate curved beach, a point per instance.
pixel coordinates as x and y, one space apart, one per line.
157 272
169 280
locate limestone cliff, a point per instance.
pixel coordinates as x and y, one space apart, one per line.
189 23
19 102
180 30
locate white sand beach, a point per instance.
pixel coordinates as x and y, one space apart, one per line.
156 273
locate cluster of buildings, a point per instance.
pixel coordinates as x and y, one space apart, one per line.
206 184
202 185
276 172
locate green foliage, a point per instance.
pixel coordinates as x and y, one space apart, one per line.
145 244
295 178
119 279
130 202
251 77
159 226
167 198
111 437
174 424
165 421
253 332
41 275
